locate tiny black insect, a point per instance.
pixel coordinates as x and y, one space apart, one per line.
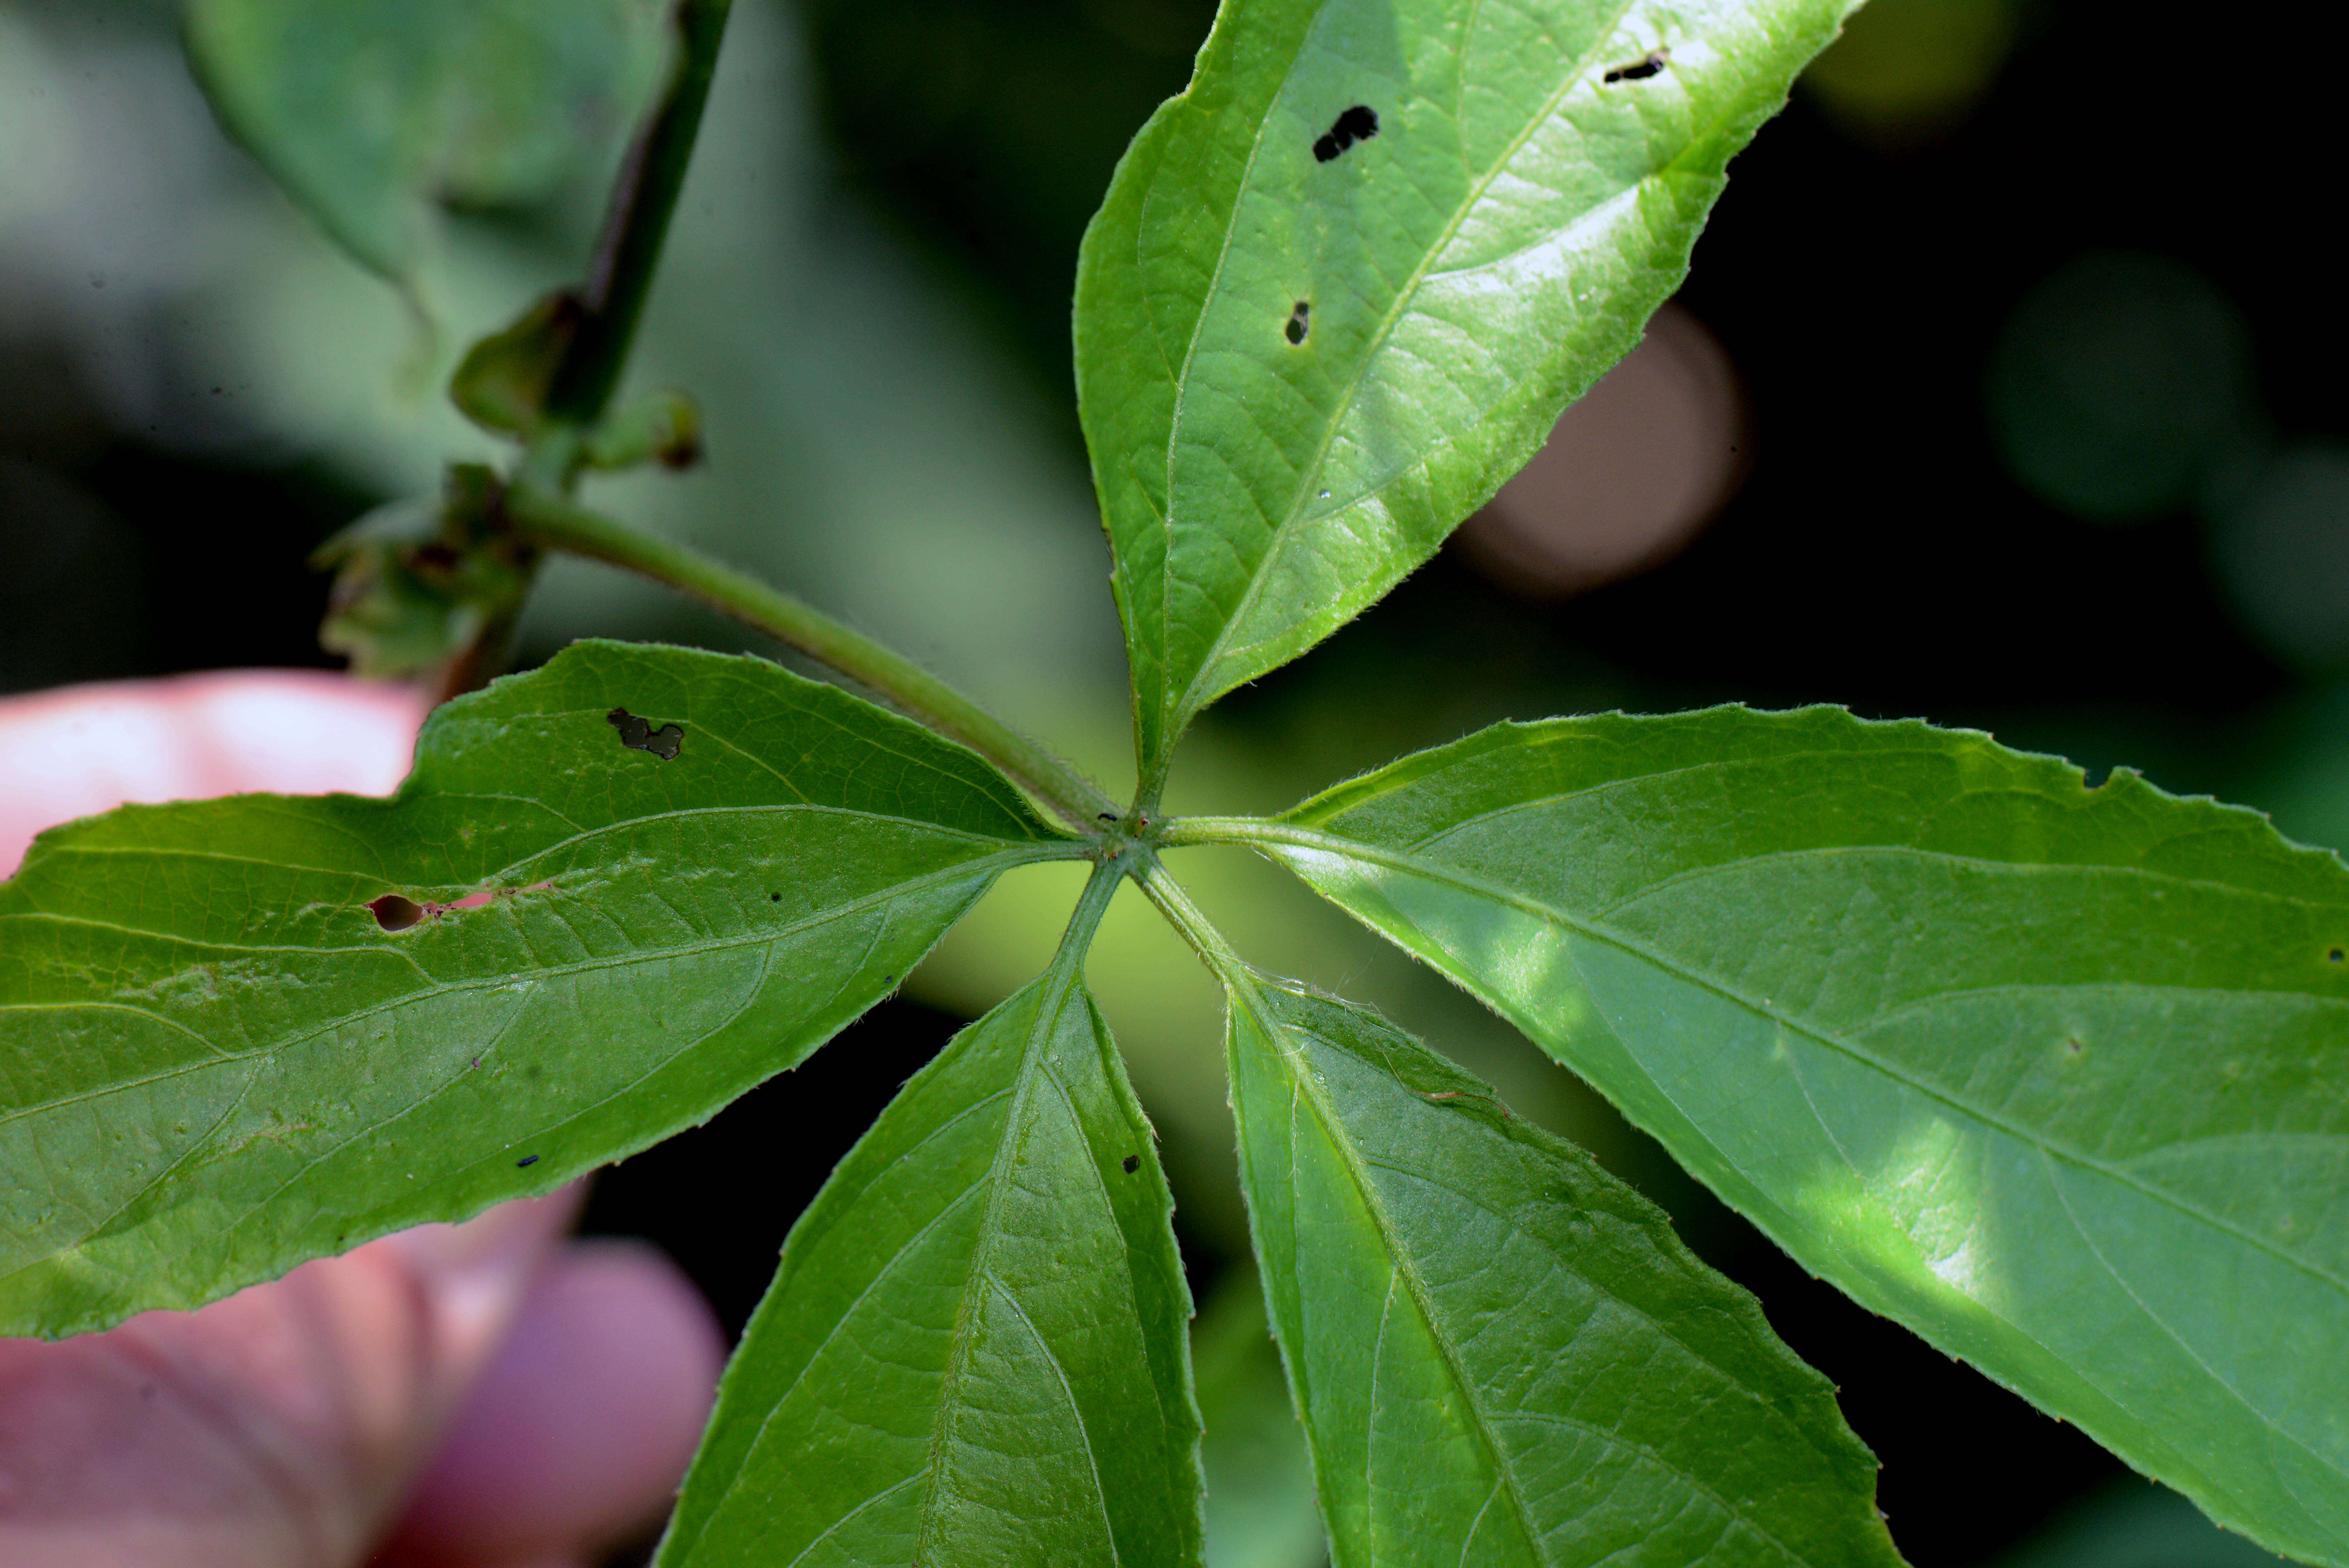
1301 322
1638 71
527 1160
1132 1162
638 734
1358 123
1109 817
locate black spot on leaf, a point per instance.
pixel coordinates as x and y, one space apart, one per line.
774 898
395 913
638 734
526 1159
1132 1163
1638 71
1358 123
2335 956
1301 322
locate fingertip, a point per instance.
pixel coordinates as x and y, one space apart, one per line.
579 1431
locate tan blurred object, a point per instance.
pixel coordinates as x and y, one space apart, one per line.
1629 476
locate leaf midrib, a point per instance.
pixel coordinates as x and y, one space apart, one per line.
986 865
1633 948
1303 1088
1358 1168
1058 990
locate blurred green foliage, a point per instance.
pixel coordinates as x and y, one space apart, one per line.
370 111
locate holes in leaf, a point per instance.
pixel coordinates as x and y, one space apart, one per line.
774 898
395 913
638 734
1301 322
398 912
1358 123
1638 71
1131 1163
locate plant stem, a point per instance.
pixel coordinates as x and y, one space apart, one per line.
1179 831
642 202
555 523
1175 904
1085 919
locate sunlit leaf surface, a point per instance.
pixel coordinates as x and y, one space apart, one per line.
975 1349
1342 287
366 111
2058 1076
616 893
1504 1355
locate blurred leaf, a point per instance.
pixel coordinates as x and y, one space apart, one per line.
368 111
1503 1354
1341 288
502 383
1908 68
2122 384
974 1351
616 893
417 582
1260 1507
2058 1077
662 427
2281 544
2133 1523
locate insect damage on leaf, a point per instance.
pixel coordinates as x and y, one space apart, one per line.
1358 123
638 734
1638 71
398 912
1299 323
395 913
1130 1164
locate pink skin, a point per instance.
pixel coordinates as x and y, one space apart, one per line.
476 1396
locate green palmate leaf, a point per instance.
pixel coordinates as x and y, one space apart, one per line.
368 110
974 1351
1342 287
2059 1077
1502 1354
616 893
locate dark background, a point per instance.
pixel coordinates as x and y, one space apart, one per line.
1883 555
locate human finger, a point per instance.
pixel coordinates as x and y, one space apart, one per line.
577 1433
81 749
276 1428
